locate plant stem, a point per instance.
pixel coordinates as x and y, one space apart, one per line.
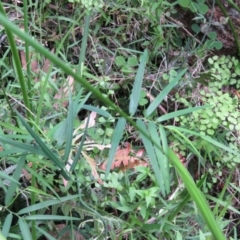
230 23
18 66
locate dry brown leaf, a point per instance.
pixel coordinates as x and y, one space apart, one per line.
124 159
26 174
93 166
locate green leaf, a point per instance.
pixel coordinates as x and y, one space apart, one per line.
42 180
7 225
157 101
47 235
2 237
218 45
51 217
161 159
69 135
16 175
195 27
46 204
203 8
7 177
24 229
21 147
137 86
152 157
165 161
45 148
132 62
120 61
117 135
184 3
181 112
210 140
197 196
97 110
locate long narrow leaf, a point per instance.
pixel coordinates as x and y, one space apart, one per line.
45 148
97 110
156 102
69 135
163 174
45 204
47 235
51 217
22 147
18 65
152 157
42 180
16 176
7 224
181 112
164 160
78 153
117 135
24 229
7 177
207 138
197 196
137 86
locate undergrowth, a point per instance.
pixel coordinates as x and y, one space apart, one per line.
116 117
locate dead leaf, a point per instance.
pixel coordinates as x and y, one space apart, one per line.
93 166
125 159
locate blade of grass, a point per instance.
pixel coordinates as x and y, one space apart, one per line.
46 204
156 102
207 138
137 86
116 137
161 159
7 177
22 147
42 180
53 157
84 43
185 199
18 66
26 28
7 225
197 196
47 235
77 156
181 112
69 135
152 158
24 229
16 176
164 160
97 110
51 217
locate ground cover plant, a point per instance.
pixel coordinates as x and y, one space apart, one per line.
119 120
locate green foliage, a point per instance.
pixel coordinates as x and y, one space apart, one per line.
198 6
226 71
126 50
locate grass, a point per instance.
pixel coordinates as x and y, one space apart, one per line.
65 120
